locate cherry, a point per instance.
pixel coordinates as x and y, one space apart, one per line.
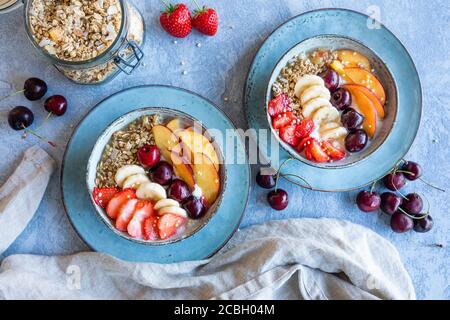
413 204
356 141
278 199
394 181
148 156
341 99
195 207
331 79
34 89
414 170
368 201
423 225
351 119
390 203
178 190
56 104
401 223
266 181
20 118
162 173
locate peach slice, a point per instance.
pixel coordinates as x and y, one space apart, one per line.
198 143
377 104
165 140
350 58
174 125
337 66
207 178
368 80
367 108
183 169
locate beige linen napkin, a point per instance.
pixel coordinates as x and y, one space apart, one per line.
289 259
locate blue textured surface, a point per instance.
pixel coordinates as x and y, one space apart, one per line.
217 70
87 221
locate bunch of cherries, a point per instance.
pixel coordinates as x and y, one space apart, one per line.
406 211
20 117
162 173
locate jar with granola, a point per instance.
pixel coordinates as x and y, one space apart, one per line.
89 41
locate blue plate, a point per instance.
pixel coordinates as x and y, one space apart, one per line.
387 47
86 220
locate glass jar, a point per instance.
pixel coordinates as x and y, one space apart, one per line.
124 54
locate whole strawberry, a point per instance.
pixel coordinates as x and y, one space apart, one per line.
176 20
206 21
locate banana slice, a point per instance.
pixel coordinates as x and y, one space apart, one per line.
315 92
127 171
135 181
166 203
174 210
334 134
325 114
330 125
151 191
307 81
313 105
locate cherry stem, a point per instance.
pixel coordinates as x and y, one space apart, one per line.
431 185
373 186
45 120
286 175
422 215
279 171
12 95
38 136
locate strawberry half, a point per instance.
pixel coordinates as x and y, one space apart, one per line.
316 152
305 128
176 20
332 151
168 225
114 205
303 143
150 228
279 104
103 195
125 214
283 119
144 210
206 21
287 134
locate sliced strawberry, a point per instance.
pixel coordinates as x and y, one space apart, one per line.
305 128
279 104
287 134
317 153
113 207
126 212
308 154
150 228
103 195
144 210
168 225
283 119
332 151
303 143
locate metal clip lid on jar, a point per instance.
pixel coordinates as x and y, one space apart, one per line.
122 54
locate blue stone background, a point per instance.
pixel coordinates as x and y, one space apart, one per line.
217 70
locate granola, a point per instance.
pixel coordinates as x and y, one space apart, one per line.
122 149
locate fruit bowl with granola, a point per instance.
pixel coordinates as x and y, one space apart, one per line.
156 176
331 101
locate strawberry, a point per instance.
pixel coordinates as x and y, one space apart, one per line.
168 225
316 151
279 104
144 210
103 195
332 151
287 134
176 20
125 214
150 228
206 21
283 119
305 128
114 205
303 143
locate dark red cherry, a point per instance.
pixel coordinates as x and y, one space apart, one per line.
195 207
266 181
331 79
413 204
341 99
394 181
148 156
401 223
34 89
368 201
162 173
56 105
178 190
390 202
20 118
423 225
413 170
278 199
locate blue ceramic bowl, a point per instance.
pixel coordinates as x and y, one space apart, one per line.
164 115
335 42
